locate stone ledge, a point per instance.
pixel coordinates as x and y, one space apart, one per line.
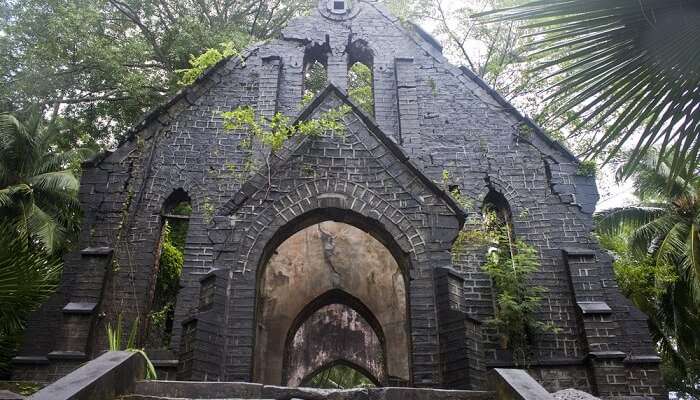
79 308
517 384
607 355
67 355
650 359
578 252
594 307
242 390
30 360
539 363
103 378
96 251
165 363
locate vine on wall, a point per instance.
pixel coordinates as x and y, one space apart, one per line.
274 132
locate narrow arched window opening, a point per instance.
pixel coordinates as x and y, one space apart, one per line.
361 76
175 216
496 212
315 71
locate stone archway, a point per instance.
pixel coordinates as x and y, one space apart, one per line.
334 333
307 272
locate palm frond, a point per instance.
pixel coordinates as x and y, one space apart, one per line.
630 217
628 66
44 228
58 181
27 278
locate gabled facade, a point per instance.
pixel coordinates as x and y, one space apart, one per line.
239 318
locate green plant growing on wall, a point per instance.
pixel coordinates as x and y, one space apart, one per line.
28 276
208 210
587 168
167 283
275 131
510 263
114 340
204 61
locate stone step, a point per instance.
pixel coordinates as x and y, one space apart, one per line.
152 390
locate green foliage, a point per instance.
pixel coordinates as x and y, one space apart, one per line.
658 263
275 131
28 277
171 262
95 66
204 61
340 376
38 191
168 280
114 341
615 70
454 191
24 388
208 209
360 86
510 264
315 80
587 168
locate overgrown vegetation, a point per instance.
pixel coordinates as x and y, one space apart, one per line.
204 61
116 343
170 264
28 276
340 376
657 248
360 87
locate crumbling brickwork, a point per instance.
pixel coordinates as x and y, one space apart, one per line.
429 117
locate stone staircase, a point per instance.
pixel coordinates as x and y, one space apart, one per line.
171 390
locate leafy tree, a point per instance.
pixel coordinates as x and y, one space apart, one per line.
27 278
657 243
95 66
360 87
628 67
38 190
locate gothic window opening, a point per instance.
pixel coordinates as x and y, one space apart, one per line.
496 212
315 71
175 216
361 76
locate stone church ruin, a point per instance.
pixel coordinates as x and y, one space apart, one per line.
338 249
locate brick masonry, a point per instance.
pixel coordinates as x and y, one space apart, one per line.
429 117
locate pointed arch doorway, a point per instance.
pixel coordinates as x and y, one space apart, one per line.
331 293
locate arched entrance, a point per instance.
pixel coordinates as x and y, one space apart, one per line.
331 292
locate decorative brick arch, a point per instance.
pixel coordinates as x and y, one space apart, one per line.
342 201
325 199
502 187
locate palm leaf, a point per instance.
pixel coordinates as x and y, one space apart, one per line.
27 278
618 219
59 181
635 59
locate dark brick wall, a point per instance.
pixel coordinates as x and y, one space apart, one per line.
442 118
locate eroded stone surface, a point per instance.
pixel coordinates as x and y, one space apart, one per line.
573 394
332 256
